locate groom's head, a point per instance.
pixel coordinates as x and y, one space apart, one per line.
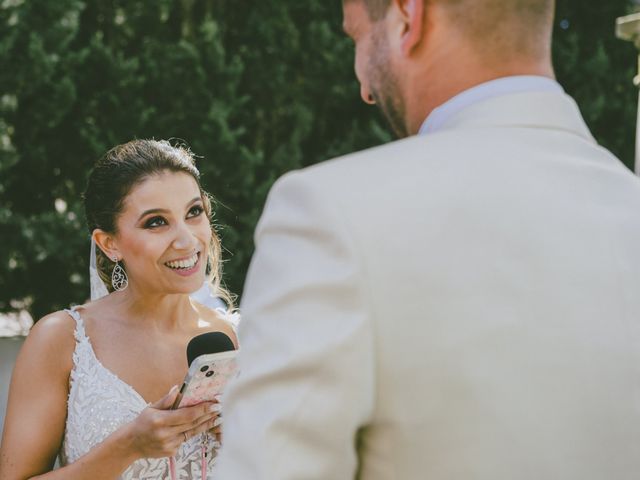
413 55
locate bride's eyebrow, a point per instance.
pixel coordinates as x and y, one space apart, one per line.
152 210
194 200
164 210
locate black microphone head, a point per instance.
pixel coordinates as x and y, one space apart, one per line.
206 343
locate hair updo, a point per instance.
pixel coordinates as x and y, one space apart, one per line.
113 177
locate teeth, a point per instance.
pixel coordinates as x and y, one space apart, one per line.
183 263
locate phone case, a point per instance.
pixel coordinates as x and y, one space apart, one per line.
207 376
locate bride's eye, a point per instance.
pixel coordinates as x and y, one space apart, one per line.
154 222
195 211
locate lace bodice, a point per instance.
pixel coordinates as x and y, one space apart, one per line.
100 402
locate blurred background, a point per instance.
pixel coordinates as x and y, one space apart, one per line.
255 87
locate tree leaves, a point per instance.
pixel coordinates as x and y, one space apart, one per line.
256 88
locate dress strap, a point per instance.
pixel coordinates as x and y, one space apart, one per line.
79 332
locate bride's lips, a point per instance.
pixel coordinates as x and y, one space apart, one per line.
185 272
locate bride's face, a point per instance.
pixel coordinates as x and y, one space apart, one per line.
164 234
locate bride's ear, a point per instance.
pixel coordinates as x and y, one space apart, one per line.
106 242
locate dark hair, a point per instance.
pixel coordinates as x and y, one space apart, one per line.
123 167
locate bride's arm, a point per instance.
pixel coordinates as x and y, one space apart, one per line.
37 411
37 406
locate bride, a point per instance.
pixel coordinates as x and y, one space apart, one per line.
90 383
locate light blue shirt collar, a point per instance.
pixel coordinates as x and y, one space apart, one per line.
494 88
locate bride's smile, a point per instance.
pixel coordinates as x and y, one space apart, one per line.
163 239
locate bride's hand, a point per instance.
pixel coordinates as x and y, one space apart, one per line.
158 432
216 431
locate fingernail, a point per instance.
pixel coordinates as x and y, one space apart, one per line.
217 422
216 407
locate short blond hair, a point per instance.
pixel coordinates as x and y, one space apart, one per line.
504 28
376 9
497 27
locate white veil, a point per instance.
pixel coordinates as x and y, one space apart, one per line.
98 288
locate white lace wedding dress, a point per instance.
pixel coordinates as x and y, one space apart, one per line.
100 402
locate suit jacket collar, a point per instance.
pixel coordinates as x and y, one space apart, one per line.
484 91
546 110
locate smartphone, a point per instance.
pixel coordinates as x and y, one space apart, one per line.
206 378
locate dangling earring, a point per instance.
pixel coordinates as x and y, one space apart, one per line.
119 279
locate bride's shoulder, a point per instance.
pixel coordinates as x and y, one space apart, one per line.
221 320
51 340
231 318
54 325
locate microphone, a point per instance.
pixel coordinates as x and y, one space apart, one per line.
204 344
208 343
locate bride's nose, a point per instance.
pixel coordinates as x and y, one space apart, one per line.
185 238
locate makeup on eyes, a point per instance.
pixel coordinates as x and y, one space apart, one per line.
149 223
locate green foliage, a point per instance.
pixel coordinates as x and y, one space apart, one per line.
255 91
256 88
597 70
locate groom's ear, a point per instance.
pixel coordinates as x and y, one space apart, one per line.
410 23
107 243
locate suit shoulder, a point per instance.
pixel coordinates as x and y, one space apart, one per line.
330 170
365 166
371 156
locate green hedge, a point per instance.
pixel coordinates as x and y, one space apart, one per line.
255 87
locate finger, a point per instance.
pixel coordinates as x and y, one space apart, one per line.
217 422
166 402
207 426
202 424
216 431
193 415
185 436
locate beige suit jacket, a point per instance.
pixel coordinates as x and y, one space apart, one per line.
462 305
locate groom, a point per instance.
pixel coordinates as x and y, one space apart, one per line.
461 304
